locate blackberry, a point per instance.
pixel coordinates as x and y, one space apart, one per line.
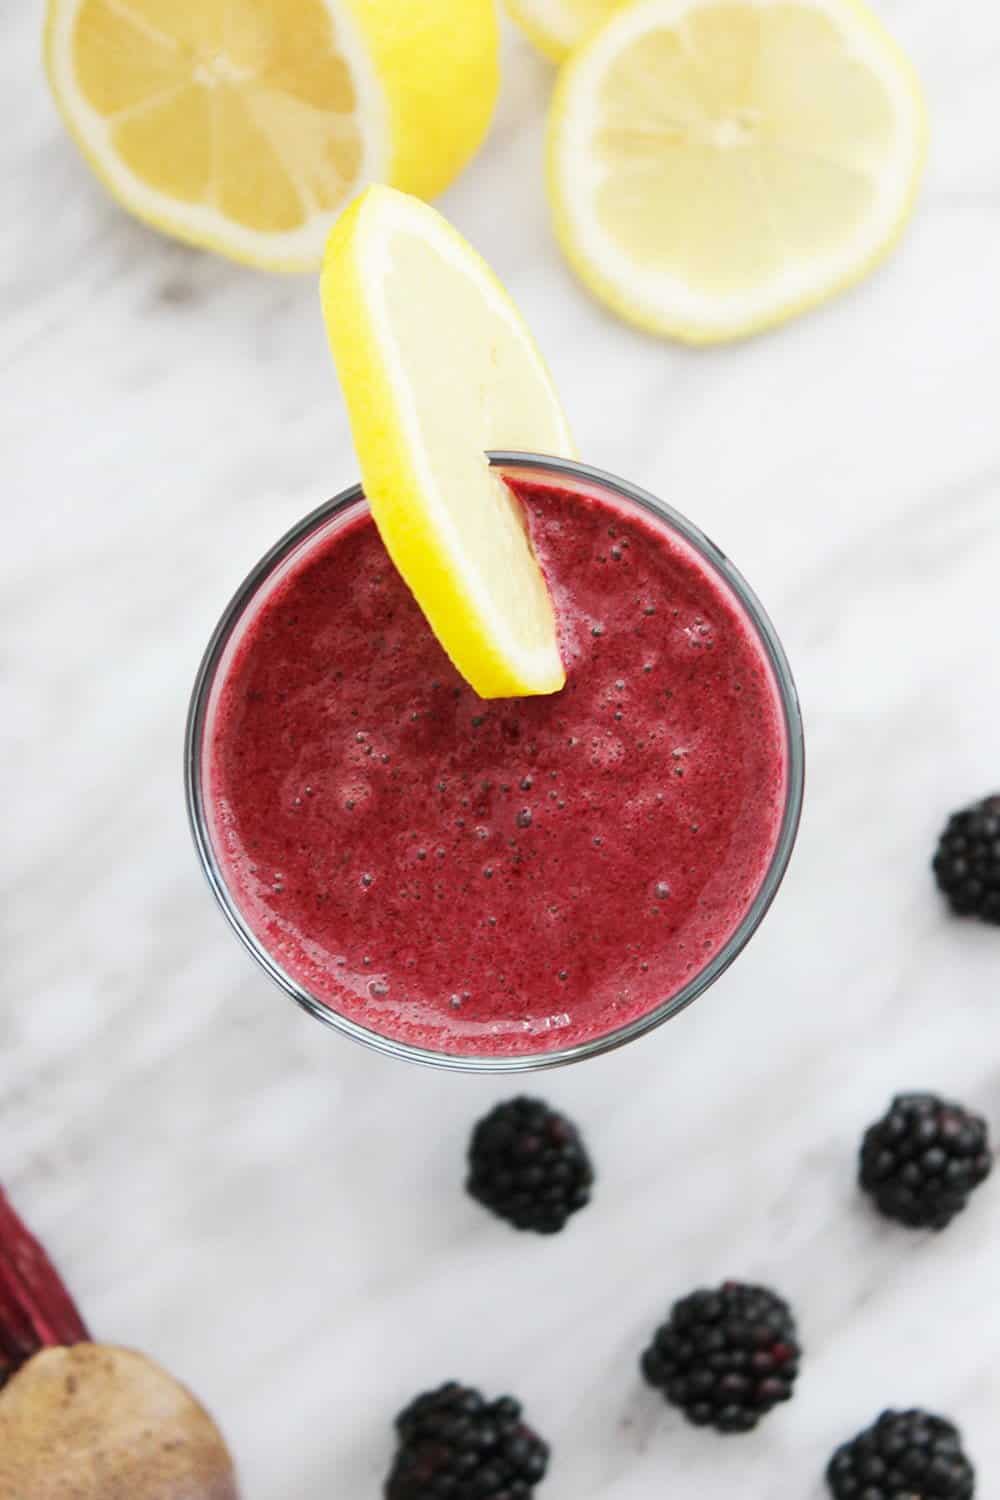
967 863
454 1445
923 1159
725 1357
529 1166
907 1455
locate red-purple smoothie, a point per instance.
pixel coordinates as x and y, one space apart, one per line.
507 877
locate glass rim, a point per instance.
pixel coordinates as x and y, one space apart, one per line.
639 1026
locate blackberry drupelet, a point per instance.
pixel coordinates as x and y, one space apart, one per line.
907 1455
923 1159
967 863
725 1357
528 1165
454 1445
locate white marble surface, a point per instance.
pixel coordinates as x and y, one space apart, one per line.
277 1214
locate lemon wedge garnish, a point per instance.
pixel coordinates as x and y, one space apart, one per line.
244 126
557 26
437 368
719 165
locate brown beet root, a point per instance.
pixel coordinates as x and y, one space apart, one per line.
85 1421
98 1423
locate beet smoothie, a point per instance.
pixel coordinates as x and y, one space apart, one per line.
508 877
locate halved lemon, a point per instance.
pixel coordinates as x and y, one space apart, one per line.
437 368
244 126
717 166
557 26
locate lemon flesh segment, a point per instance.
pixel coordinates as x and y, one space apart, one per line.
437 368
244 126
557 26
719 165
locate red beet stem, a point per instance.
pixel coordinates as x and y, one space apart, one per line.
36 1311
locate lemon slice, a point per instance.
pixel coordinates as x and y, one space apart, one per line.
437 368
244 126
719 165
557 26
